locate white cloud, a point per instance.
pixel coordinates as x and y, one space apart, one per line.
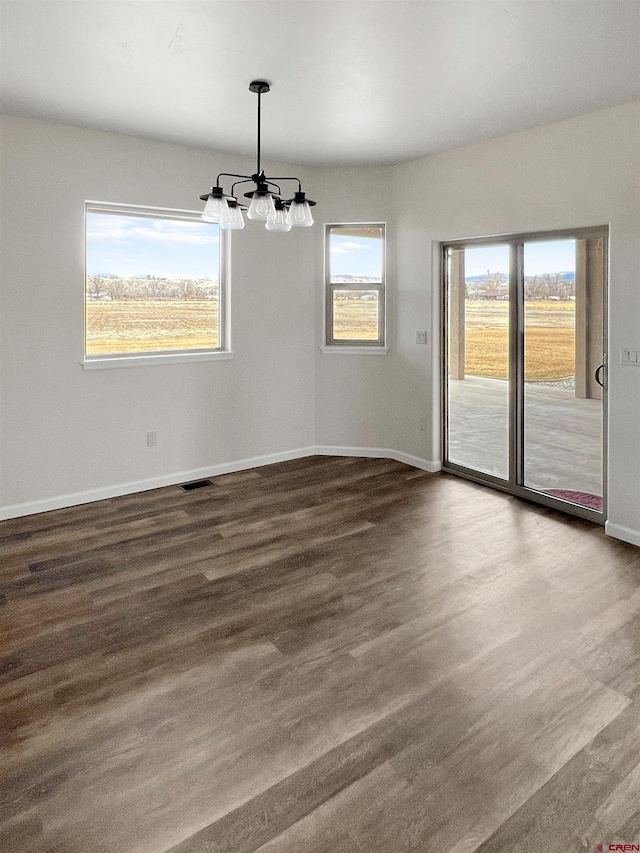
105 228
106 236
194 237
355 245
344 247
119 229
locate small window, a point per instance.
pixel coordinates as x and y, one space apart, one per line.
355 285
153 283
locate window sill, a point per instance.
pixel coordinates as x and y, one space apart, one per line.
148 360
337 349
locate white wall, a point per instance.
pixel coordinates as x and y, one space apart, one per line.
353 407
579 172
64 430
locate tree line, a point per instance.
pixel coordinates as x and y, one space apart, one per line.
544 286
547 285
117 289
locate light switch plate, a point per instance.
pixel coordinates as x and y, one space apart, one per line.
630 356
421 337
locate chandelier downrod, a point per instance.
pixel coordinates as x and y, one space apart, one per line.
259 123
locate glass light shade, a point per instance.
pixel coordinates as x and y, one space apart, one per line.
261 207
235 221
300 214
216 209
280 222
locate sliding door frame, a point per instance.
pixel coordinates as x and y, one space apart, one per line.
515 483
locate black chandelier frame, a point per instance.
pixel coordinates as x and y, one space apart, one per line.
261 181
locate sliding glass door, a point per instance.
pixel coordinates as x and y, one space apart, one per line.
524 376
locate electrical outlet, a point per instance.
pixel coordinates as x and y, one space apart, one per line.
422 424
421 337
151 439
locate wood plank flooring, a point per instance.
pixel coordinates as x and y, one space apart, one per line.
329 655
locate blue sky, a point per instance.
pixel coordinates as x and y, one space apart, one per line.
360 256
552 256
137 245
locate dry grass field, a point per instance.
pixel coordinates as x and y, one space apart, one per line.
355 319
549 339
150 325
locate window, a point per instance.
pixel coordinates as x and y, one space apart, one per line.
153 284
355 285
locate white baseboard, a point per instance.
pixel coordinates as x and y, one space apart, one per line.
380 453
91 495
119 489
627 534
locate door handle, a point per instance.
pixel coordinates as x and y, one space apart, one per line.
599 372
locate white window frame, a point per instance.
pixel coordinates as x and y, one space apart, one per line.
353 346
155 357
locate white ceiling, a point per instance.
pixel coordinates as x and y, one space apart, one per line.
353 81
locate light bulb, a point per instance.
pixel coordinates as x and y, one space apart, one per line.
300 214
235 221
281 221
261 207
216 209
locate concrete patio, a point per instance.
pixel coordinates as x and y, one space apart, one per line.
563 433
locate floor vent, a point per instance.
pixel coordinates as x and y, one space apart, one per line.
197 484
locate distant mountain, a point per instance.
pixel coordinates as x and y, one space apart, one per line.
108 275
355 279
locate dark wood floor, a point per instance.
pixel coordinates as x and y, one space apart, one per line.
322 656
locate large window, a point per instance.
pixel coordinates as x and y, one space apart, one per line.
355 285
154 283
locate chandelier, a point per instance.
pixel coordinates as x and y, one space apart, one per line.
266 202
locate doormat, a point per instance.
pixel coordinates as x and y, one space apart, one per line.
580 498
